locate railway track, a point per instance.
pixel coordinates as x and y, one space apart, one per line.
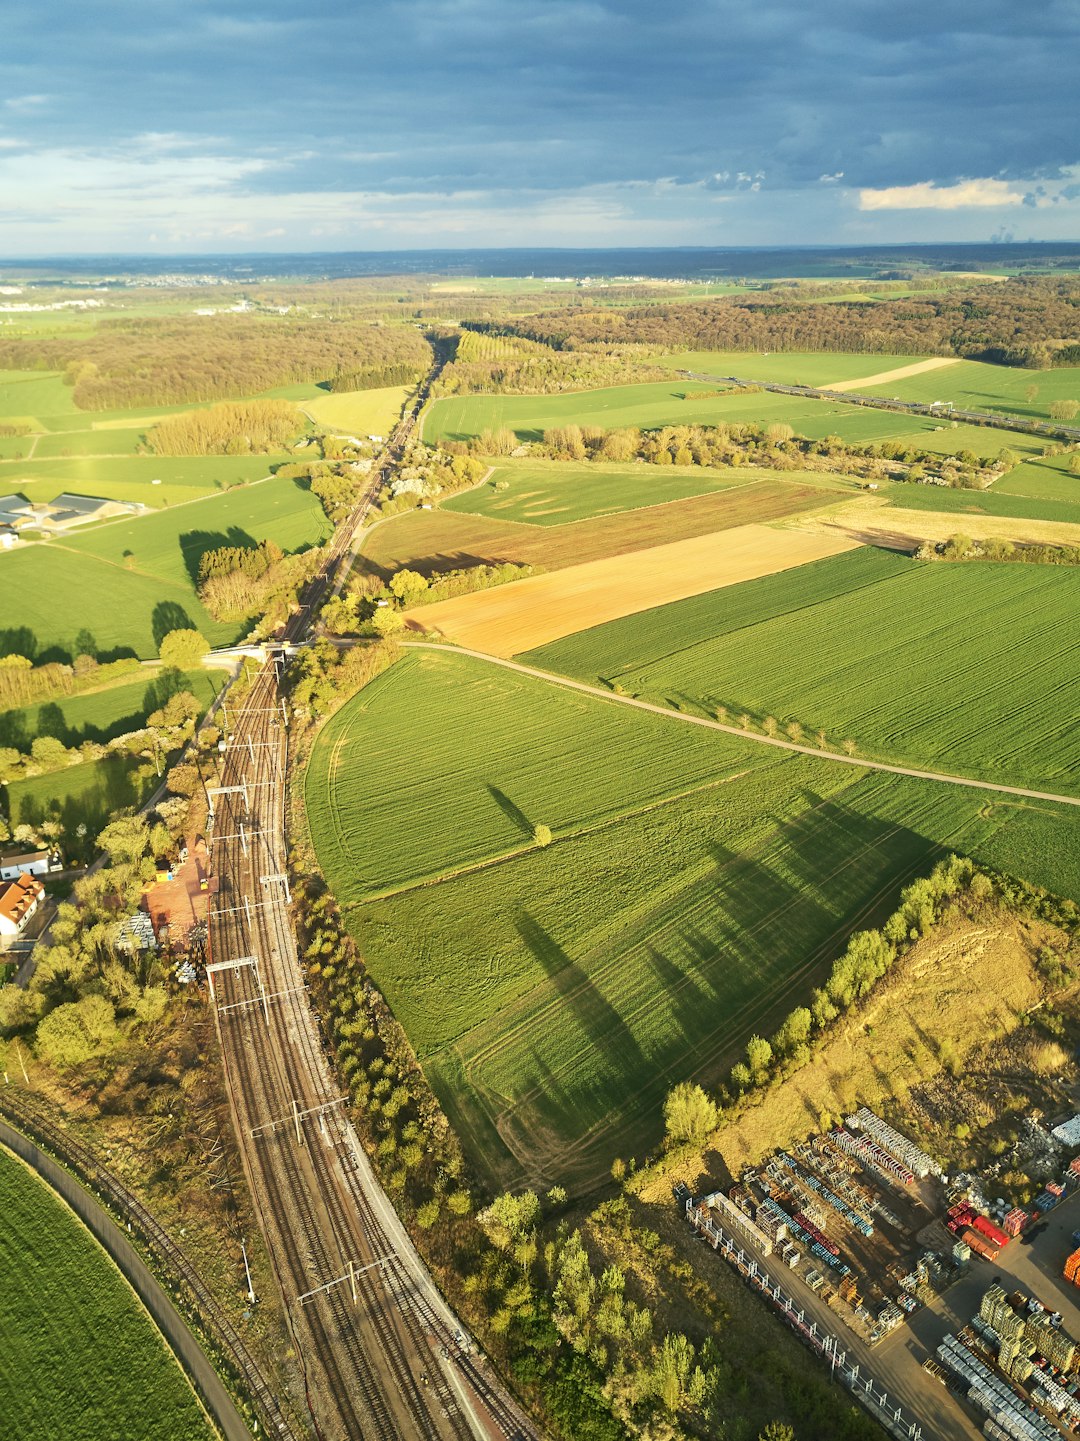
382 1357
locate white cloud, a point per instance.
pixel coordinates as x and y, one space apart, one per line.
928 195
830 179
23 103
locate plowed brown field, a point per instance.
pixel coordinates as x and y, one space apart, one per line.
531 612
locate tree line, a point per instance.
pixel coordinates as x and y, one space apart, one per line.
243 427
1008 322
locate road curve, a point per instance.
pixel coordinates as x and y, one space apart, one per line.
186 1349
695 720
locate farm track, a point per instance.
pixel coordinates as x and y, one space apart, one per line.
372 1368
860 762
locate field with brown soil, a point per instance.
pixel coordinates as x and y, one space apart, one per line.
438 540
953 992
515 618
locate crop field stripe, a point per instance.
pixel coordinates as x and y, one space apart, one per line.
775 741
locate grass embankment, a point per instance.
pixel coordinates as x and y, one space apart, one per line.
131 582
967 669
82 1359
698 886
360 412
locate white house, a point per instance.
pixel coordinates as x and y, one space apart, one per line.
34 863
19 900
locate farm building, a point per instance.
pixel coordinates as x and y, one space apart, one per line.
15 512
33 863
19 900
69 510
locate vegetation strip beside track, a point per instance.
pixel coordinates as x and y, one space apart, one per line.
745 735
173 1328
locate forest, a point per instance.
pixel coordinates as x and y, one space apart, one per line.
1023 321
126 362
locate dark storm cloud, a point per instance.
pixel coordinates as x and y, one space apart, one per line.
501 97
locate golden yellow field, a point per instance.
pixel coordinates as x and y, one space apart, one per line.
919 367
871 519
360 412
531 612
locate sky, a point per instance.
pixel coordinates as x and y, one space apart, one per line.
162 127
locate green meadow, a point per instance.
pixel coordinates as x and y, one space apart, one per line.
697 886
786 367
129 582
967 668
82 1359
558 493
114 710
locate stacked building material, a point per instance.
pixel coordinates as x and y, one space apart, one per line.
1072 1267
1015 1221
905 1151
871 1154
994 1396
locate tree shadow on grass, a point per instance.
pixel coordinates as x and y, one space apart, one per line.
512 812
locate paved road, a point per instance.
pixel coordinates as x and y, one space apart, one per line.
173 1328
674 715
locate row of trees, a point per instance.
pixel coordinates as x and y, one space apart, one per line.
243 427
376 377
775 445
691 1116
22 682
962 547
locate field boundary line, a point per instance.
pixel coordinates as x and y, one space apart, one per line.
504 857
566 681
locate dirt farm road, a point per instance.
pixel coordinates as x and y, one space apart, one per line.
783 745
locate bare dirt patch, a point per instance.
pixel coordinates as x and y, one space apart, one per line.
902 372
532 612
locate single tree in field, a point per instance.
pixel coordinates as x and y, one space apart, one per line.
794 731
769 725
542 834
744 721
183 649
689 1114
850 747
721 714
1031 393
820 739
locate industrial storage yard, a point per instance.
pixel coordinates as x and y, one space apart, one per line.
906 1279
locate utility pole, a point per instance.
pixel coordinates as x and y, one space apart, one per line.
247 1273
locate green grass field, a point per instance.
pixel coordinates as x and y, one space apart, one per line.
360 412
985 502
82 1359
786 367
556 493
90 795
653 405
971 385
131 477
100 715
127 601
1042 480
554 995
964 668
